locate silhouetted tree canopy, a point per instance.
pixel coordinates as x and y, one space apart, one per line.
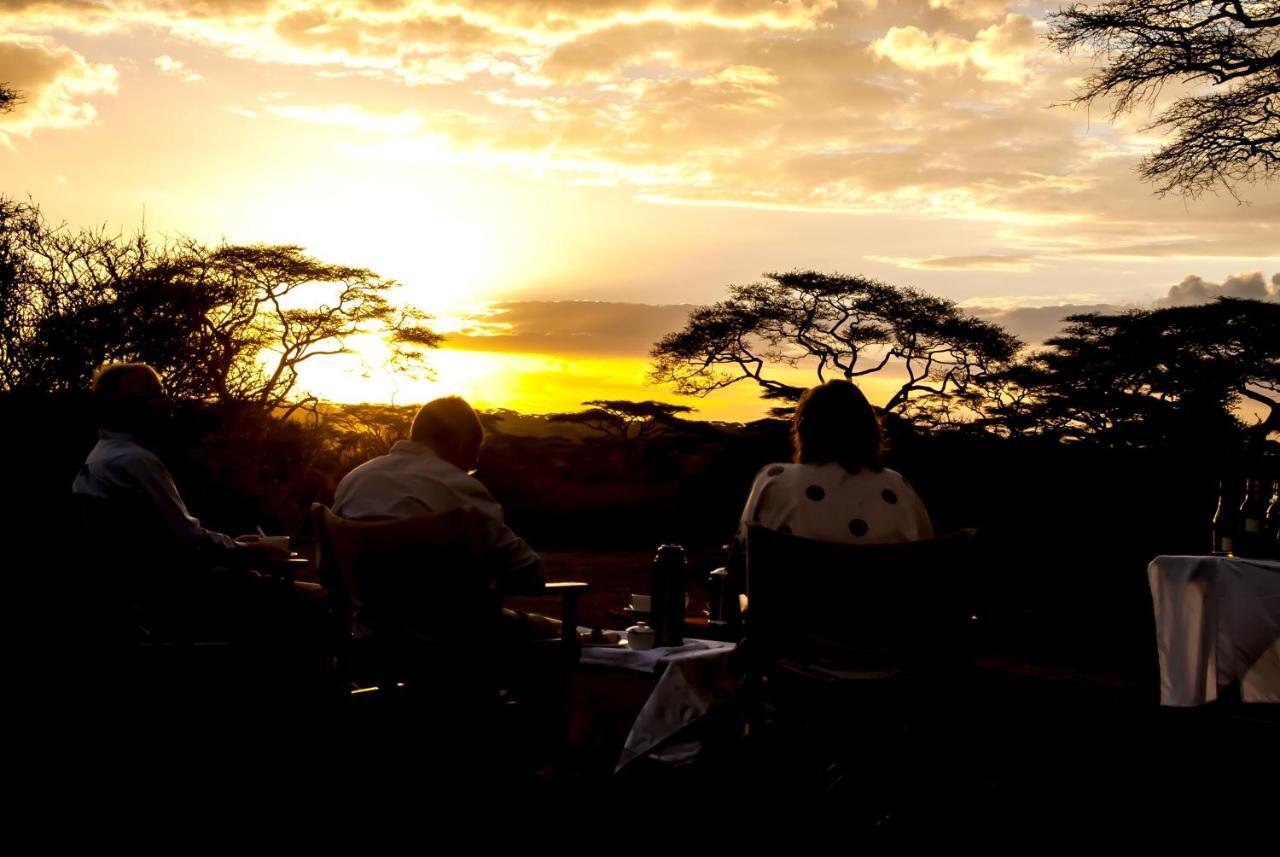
1227 135
8 98
1167 377
625 421
221 323
845 327
357 433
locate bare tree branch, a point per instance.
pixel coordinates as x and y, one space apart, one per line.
1223 138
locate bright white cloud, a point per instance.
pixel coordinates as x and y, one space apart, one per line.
997 52
979 9
176 68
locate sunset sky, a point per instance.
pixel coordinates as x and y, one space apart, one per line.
625 159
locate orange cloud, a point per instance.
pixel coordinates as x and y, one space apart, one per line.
937 109
55 82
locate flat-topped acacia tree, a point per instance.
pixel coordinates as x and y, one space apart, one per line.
840 326
625 421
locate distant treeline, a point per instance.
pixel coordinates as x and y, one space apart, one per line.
231 325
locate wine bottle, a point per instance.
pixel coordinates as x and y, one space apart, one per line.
1223 524
1271 522
1249 540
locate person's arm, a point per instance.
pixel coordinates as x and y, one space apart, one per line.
152 480
915 506
756 499
737 563
518 565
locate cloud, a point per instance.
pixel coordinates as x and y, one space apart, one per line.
176 68
54 82
615 329
980 9
582 328
1035 325
963 263
997 52
1196 290
935 110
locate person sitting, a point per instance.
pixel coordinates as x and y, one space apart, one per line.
199 574
133 412
837 489
433 471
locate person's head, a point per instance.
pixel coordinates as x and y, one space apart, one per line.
130 397
451 428
835 422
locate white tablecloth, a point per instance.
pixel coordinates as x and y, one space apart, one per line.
691 679
1217 621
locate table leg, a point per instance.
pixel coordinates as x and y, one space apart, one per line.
570 655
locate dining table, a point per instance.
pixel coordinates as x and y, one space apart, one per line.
630 705
1217 622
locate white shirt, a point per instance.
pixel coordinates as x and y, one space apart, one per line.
828 503
121 468
412 480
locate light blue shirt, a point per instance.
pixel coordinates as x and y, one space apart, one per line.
121 468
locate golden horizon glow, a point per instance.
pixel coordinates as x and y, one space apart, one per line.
532 383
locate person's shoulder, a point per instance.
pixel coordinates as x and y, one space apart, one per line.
895 480
125 454
373 465
776 469
893 477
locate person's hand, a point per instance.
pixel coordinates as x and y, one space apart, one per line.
267 546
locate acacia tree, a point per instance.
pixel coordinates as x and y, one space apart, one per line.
842 326
8 98
1168 377
1227 135
628 422
224 323
277 308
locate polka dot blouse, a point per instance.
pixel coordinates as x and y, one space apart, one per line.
828 503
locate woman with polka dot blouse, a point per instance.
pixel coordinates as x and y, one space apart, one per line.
837 490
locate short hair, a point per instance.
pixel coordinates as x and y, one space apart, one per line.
445 422
835 422
107 383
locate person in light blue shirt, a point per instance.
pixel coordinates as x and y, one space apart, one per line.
433 471
134 412
176 570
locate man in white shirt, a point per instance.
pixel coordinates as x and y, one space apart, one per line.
153 550
134 412
432 472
